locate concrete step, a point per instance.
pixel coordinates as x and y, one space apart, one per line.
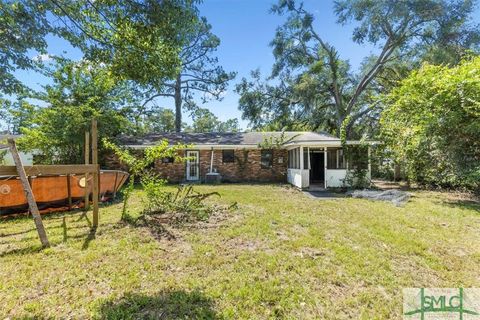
316 187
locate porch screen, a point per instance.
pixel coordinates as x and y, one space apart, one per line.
294 158
335 158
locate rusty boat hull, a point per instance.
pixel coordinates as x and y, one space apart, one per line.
55 193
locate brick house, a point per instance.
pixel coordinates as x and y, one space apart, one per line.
304 159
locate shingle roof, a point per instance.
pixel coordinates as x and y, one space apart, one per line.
230 138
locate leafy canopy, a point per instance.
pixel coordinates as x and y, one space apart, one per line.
80 91
432 125
313 87
137 40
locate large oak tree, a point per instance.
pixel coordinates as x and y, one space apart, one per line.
137 40
312 87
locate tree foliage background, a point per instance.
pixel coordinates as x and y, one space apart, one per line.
431 125
132 52
312 88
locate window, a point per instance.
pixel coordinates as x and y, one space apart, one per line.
168 160
335 159
228 156
266 159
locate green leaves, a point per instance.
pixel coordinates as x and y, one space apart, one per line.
136 40
432 124
23 27
312 87
80 91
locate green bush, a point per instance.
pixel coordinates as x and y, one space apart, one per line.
432 125
183 205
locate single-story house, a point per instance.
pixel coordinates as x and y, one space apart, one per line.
304 159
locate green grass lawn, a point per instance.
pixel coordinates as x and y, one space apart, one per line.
281 254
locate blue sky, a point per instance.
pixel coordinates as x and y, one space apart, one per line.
245 28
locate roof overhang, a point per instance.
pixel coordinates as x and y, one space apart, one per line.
203 146
289 145
326 143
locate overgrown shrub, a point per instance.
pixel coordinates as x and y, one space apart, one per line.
357 179
138 164
357 166
432 125
183 205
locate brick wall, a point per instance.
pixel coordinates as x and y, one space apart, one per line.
238 171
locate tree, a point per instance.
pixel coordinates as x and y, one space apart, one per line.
139 164
199 72
80 91
160 120
24 27
312 81
18 115
138 40
206 121
431 125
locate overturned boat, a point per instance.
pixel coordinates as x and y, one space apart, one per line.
57 192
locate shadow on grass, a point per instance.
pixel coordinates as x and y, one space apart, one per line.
157 229
91 236
463 204
21 251
176 304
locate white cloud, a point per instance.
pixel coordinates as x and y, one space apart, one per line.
220 94
43 57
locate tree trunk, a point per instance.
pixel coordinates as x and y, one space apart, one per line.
178 104
397 172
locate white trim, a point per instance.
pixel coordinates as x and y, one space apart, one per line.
211 161
369 153
322 143
325 159
309 164
301 158
197 164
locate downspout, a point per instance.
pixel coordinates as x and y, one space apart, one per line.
211 162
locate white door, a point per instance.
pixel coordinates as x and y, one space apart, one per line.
193 170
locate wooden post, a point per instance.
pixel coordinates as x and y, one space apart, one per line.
29 194
96 175
86 202
115 186
69 193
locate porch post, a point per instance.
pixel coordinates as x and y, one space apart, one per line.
309 164
369 164
301 158
325 163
